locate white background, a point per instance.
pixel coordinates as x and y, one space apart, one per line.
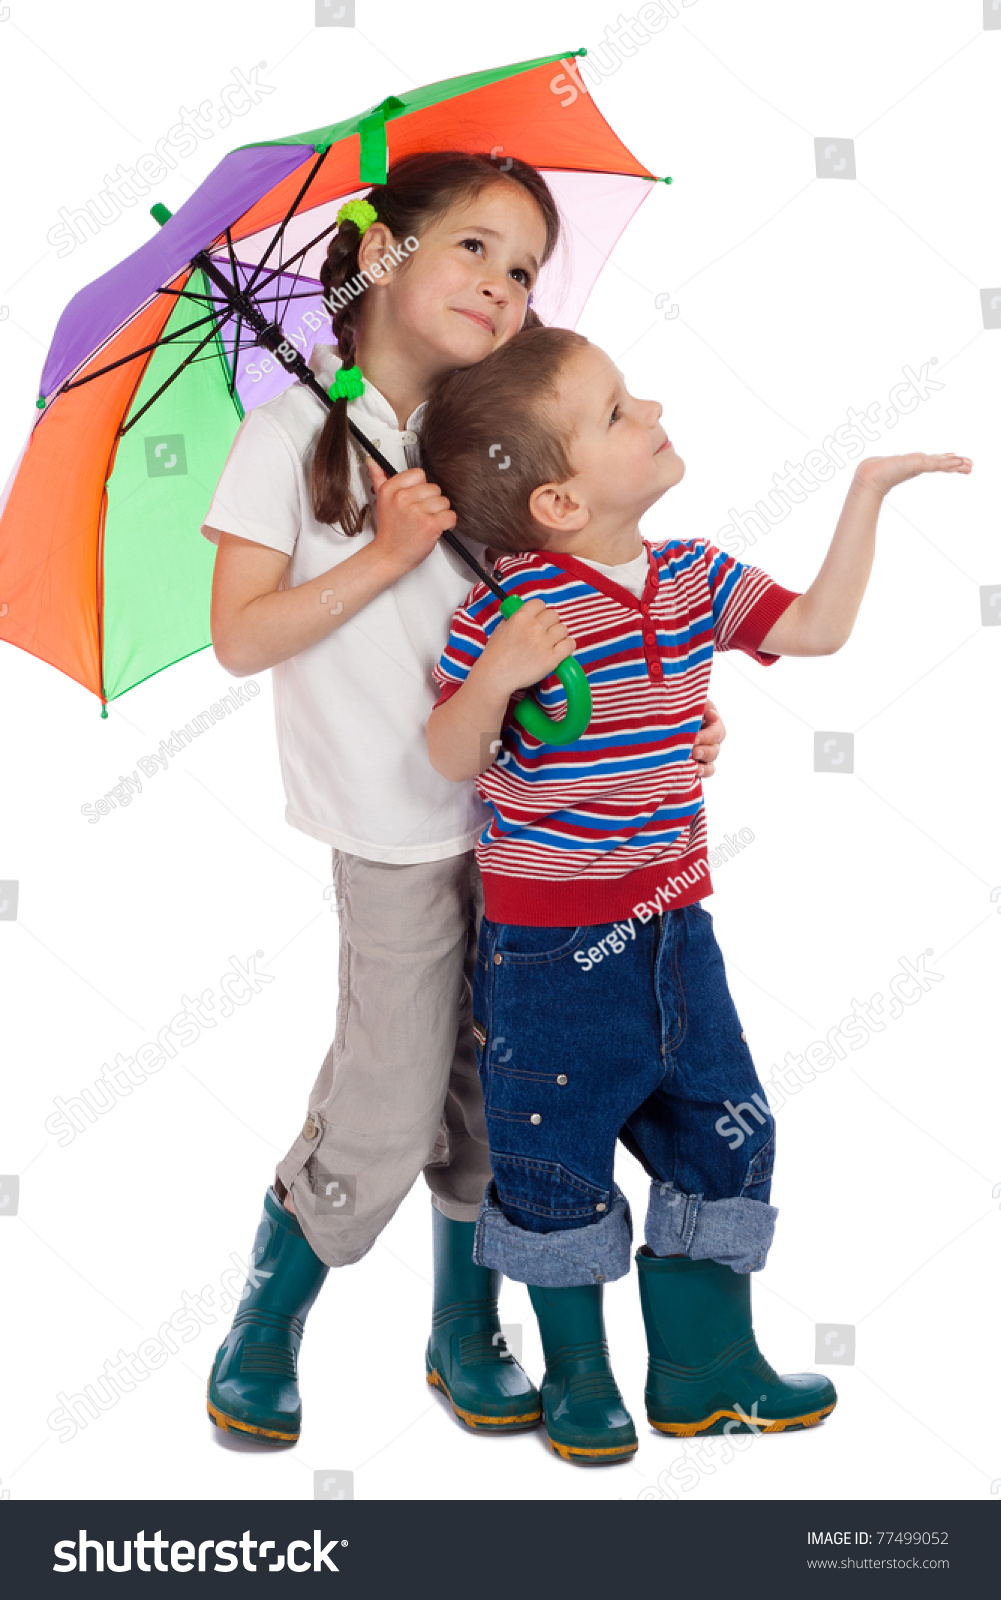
797 297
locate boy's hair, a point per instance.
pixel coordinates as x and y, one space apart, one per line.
418 190
490 436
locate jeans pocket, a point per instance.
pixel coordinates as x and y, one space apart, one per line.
547 1192
527 945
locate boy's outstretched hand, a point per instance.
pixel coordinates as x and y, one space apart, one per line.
883 473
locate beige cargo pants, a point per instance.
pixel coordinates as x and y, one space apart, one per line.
398 1091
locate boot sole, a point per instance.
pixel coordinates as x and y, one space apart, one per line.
717 1423
472 1419
593 1458
234 1425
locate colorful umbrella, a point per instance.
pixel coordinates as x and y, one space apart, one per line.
153 366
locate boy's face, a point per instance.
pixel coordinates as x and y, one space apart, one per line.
466 286
622 454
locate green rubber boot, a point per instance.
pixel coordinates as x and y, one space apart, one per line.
467 1357
706 1373
253 1388
585 1415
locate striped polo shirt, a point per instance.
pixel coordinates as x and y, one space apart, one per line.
613 825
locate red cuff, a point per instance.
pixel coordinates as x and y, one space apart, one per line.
759 621
446 694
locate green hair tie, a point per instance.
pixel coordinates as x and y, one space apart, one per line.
348 384
359 212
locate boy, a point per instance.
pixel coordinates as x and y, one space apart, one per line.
601 1005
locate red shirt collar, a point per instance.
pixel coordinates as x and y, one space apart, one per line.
598 580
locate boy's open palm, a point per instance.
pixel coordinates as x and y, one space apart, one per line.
410 515
885 472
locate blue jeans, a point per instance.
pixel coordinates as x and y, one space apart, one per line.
616 1031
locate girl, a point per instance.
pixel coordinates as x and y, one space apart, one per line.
345 590
601 1004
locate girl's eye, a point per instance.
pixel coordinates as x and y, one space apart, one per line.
524 277
616 414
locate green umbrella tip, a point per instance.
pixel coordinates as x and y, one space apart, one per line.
160 213
40 402
581 52
104 710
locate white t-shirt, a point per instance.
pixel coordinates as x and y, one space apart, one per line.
631 575
351 709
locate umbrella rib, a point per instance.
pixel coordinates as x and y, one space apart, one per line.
142 351
210 299
248 287
306 248
175 374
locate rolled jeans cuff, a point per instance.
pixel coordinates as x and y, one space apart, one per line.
561 1259
737 1233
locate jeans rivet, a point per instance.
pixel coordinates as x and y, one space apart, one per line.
535 1119
498 959
562 1078
601 1206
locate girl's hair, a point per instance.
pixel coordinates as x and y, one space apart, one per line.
491 435
418 191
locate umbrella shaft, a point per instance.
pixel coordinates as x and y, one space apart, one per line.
271 337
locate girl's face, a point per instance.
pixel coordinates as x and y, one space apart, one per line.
464 290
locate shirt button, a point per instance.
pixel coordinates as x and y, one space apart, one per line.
309 1129
497 960
601 1206
535 1119
562 1078
409 437
651 638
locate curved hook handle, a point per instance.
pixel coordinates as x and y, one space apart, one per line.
578 692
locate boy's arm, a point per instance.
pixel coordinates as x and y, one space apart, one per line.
819 621
463 731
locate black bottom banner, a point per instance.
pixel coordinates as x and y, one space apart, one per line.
511 1550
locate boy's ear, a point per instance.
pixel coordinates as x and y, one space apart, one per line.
558 509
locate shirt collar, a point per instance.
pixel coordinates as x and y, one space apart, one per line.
605 585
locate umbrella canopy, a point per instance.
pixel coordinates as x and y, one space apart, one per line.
151 369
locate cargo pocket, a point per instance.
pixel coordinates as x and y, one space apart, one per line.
547 1191
759 1170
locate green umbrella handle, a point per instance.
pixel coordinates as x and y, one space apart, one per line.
578 692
